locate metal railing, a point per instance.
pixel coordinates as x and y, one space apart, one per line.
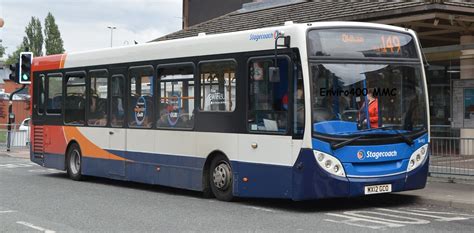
19 138
452 156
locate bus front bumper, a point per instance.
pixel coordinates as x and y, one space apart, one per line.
311 182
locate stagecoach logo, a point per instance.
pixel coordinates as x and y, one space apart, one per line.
360 155
264 36
140 110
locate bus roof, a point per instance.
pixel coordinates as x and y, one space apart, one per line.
249 40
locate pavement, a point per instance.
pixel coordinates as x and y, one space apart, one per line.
438 191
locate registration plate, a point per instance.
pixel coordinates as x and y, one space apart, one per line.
381 188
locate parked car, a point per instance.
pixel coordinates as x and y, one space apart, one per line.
22 134
25 125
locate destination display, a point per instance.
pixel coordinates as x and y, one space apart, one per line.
360 43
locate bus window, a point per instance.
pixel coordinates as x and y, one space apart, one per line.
218 86
117 89
97 115
55 94
176 96
298 103
141 97
75 101
268 100
41 92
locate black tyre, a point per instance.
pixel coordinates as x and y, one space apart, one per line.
221 178
74 162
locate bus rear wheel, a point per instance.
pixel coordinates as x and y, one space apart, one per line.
74 162
221 179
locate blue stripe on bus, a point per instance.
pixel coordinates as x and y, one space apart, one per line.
303 181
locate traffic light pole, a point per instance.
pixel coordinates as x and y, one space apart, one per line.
11 117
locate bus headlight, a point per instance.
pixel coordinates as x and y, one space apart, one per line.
329 163
418 157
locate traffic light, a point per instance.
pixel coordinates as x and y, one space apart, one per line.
26 58
14 72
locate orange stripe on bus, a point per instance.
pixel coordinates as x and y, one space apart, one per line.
62 61
88 148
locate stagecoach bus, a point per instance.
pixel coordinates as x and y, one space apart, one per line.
298 111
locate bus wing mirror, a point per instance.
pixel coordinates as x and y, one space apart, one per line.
274 73
287 41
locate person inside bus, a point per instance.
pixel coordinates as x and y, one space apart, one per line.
97 114
373 110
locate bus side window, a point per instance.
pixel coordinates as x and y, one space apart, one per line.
176 90
268 100
140 101
218 85
98 108
41 93
75 102
117 89
298 102
54 93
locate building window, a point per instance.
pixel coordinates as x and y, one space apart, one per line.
75 102
98 109
55 93
141 97
218 86
176 96
117 89
268 99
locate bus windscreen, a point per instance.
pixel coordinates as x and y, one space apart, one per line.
360 43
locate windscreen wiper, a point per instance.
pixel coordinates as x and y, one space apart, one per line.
336 146
406 139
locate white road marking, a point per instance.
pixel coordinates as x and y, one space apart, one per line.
16 165
35 227
45 170
7 211
351 220
378 218
383 217
424 210
260 208
435 217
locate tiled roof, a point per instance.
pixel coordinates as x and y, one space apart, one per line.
311 11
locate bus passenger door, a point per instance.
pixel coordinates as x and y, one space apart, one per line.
38 118
265 152
117 132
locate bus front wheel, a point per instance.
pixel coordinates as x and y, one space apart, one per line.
221 178
74 161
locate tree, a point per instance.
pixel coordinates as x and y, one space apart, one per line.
34 37
15 56
2 49
53 41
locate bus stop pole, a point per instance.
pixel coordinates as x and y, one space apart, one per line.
11 117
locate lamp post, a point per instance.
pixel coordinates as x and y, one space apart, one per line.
111 33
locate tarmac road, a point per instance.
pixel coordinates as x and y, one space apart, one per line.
37 199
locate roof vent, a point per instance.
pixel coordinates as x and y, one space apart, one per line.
202 34
287 23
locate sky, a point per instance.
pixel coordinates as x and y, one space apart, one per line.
83 23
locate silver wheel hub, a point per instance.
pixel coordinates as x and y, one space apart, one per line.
75 162
222 176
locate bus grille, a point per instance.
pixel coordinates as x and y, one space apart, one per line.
38 139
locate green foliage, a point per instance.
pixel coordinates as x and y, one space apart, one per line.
34 37
15 56
2 49
33 41
53 41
